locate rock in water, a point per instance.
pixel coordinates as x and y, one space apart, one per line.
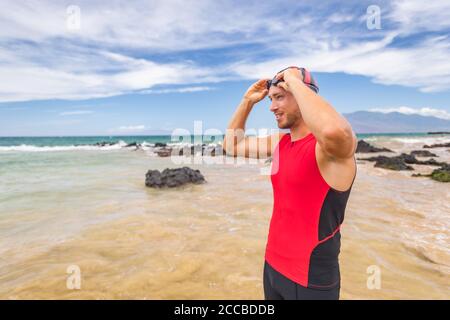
441 174
104 143
133 144
401 162
160 144
164 152
422 153
410 159
437 145
394 163
173 177
364 147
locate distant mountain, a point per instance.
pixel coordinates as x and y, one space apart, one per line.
392 122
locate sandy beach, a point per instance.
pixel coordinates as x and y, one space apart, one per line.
92 210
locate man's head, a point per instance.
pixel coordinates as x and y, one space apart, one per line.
284 106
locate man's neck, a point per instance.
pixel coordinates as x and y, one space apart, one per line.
299 132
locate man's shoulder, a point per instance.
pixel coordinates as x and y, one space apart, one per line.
338 173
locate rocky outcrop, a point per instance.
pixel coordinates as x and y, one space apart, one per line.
422 153
401 162
441 174
160 144
164 152
173 177
437 145
105 143
364 147
197 150
391 163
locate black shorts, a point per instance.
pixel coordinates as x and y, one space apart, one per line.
278 287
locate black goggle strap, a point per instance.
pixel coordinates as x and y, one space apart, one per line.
307 79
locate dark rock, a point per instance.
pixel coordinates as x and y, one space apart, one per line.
173 177
104 144
437 145
432 162
410 159
441 174
422 153
133 144
216 151
160 144
165 152
393 163
364 147
204 150
407 158
401 162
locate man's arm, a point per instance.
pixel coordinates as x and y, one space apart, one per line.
332 131
235 142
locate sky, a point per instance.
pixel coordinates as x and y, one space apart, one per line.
140 67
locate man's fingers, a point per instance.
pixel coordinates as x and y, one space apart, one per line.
262 81
283 85
261 84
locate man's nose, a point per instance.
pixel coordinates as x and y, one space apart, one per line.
273 107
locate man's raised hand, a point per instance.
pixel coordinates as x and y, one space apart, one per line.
257 91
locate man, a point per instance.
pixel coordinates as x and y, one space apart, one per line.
313 170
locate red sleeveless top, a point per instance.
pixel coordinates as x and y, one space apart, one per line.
304 238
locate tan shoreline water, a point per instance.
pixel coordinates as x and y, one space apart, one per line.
207 241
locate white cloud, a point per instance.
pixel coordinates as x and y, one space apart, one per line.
154 25
95 75
75 113
425 66
416 16
177 90
340 18
438 113
116 49
132 128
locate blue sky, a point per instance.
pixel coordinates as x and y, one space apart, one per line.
138 67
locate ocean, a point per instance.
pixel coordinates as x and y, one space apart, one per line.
88 142
65 201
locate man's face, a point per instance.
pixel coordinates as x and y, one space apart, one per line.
284 107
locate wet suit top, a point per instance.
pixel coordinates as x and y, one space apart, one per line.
304 238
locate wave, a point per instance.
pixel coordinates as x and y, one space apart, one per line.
33 148
425 140
98 147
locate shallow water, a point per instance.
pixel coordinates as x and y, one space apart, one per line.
91 209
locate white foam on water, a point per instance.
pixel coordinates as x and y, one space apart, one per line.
425 140
32 148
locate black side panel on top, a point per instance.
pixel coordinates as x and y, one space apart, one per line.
332 212
324 264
